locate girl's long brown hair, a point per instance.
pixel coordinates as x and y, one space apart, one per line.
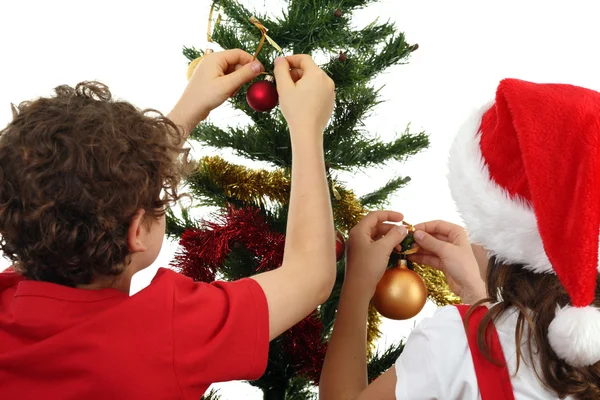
535 298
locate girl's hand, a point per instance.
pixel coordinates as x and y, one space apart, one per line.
370 245
216 78
446 247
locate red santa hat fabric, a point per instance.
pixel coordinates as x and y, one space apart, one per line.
525 174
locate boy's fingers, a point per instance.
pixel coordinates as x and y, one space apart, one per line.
241 76
301 61
283 77
296 74
233 68
228 58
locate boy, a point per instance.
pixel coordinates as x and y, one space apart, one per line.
84 181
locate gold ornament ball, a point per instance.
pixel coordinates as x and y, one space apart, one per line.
400 294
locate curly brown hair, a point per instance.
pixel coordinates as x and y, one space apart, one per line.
535 298
74 169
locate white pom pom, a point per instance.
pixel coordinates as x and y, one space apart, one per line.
574 335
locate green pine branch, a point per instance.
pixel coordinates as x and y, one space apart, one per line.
240 263
175 227
370 37
395 51
309 26
260 142
379 197
299 389
365 152
192 53
352 106
354 4
381 362
276 378
351 151
211 395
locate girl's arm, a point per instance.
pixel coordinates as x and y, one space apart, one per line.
344 374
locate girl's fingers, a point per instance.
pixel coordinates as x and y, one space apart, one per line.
426 259
381 230
455 233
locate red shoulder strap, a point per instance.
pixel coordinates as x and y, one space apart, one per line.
493 380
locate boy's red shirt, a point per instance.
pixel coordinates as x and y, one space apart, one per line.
169 341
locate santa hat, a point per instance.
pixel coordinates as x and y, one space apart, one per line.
525 174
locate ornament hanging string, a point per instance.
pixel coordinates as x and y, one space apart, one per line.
213 6
209 25
413 248
263 30
194 63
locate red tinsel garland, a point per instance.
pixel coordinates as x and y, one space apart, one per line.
305 347
204 250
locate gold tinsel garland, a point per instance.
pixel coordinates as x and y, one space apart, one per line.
438 290
373 332
347 210
259 186
247 185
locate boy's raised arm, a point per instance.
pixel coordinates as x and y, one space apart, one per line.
215 79
306 97
306 278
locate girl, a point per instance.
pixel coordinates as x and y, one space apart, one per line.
524 173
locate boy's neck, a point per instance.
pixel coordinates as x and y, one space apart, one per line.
121 282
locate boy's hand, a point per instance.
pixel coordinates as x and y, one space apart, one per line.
446 247
216 78
370 245
306 94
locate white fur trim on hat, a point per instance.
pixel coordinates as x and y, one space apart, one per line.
574 335
506 227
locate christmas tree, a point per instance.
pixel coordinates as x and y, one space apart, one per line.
248 235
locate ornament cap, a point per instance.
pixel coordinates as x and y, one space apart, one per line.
269 78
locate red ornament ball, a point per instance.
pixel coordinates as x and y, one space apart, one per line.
340 246
262 95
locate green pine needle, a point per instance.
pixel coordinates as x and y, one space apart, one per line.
379 197
381 362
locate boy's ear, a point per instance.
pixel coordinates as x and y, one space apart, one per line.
135 232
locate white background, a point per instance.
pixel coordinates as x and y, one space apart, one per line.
466 47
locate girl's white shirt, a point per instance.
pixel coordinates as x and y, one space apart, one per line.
436 362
